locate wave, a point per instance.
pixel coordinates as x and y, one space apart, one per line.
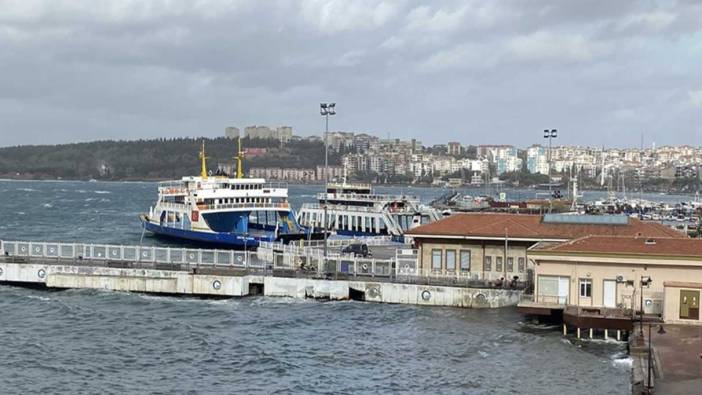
48 205
26 189
102 192
623 362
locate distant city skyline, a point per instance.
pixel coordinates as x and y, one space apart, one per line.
600 72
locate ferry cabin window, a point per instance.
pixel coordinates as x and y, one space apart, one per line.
498 264
436 259
521 264
487 265
451 260
465 260
510 264
585 288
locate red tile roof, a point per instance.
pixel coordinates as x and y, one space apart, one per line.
629 245
532 227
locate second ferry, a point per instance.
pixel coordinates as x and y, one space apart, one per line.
235 212
355 210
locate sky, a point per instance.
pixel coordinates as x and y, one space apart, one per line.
473 71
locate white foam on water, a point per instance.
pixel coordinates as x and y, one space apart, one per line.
42 298
102 192
26 189
48 205
623 362
21 213
483 354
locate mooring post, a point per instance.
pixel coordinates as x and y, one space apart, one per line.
606 335
578 333
590 333
619 335
565 329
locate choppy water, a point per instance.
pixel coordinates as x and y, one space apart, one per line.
87 341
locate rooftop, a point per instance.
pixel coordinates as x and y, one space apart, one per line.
533 227
659 246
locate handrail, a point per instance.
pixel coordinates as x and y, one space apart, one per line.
224 206
371 197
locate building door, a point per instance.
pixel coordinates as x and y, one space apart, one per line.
690 305
609 297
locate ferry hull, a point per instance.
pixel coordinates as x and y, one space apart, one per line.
230 240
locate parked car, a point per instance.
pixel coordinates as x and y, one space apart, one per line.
357 250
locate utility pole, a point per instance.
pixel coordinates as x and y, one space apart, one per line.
326 109
550 135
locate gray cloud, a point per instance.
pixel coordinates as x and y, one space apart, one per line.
603 72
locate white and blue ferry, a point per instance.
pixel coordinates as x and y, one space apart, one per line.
351 209
236 212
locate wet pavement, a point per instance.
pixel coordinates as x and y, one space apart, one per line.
679 353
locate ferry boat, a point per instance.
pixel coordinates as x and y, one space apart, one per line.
355 210
236 212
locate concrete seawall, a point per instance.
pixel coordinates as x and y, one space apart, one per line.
228 283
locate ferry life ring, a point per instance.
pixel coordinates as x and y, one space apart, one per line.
365 267
195 216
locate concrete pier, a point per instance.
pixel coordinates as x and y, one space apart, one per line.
236 283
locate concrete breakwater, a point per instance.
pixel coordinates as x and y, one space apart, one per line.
223 282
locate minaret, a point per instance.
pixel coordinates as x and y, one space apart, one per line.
203 159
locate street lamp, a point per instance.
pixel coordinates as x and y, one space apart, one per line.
326 109
550 135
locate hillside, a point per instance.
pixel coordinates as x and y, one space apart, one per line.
149 159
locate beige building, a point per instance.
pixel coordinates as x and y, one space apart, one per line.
605 281
492 246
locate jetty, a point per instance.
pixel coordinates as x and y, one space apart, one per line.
298 271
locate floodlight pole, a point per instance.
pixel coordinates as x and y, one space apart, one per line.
326 109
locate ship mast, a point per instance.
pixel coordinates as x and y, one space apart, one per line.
203 159
239 159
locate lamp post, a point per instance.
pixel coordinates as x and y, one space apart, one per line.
550 135
645 281
326 109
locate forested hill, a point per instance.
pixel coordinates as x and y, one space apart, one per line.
149 159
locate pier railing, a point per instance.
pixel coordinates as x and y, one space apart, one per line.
135 254
288 260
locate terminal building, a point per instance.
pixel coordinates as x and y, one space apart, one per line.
493 246
603 282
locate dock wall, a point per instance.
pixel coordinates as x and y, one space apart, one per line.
230 284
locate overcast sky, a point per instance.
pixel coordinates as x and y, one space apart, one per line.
602 72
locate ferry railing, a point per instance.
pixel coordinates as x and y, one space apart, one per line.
225 206
368 197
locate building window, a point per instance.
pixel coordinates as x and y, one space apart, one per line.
487 266
585 288
451 260
465 260
510 264
498 264
436 259
521 264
